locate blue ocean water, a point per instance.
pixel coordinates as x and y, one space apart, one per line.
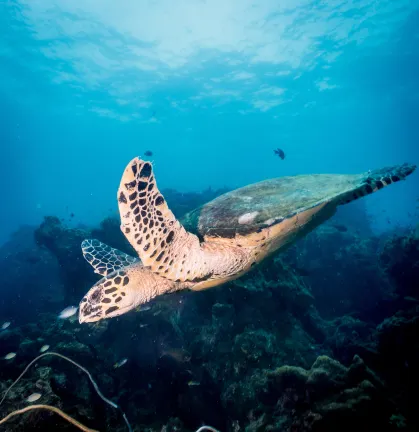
320 337
211 88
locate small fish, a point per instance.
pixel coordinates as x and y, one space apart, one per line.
68 312
145 308
193 383
148 153
71 215
10 356
339 227
143 325
33 397
157 313
177 354
120 363
280 153
5 325
44 348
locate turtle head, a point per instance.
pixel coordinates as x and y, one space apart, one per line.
112 296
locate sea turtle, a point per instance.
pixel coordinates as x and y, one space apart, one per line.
217 242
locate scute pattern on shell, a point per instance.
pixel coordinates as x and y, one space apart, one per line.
281 198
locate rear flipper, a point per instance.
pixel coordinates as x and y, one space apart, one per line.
378 179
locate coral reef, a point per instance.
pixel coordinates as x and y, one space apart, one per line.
64 244
400 258
341 267
320 338
25 269
326 397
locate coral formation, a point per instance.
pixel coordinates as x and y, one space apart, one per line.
320 338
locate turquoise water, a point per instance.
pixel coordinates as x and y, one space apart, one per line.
211 88
322 336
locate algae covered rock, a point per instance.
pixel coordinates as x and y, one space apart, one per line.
254 346
400 258
326 397
64 243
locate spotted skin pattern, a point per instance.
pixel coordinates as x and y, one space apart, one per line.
122 291
104 296
103 258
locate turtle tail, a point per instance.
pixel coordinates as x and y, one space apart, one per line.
373 181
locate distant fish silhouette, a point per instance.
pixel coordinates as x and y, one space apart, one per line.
148 153
280 153
178 354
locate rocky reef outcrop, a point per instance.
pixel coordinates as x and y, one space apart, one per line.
326 397
320 338
400 259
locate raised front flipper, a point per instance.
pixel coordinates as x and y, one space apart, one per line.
103 258
162 243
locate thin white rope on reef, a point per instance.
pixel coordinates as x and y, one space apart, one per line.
61 413
49 408
109 402
206 428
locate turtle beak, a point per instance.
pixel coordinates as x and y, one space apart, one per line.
90 308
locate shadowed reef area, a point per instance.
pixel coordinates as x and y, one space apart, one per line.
322 337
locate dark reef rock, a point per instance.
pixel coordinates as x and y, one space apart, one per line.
400 258
397 344
59 383
340 268
64 244
279 349
348 336
326 397
109 232
30 281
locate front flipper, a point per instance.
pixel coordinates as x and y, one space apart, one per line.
162 243
103 258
